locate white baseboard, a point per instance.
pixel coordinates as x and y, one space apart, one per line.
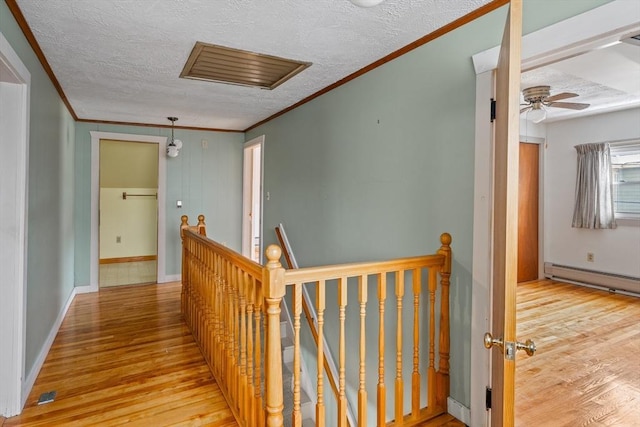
172 278
30 380
86 289
458 410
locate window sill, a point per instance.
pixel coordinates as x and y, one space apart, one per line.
628 221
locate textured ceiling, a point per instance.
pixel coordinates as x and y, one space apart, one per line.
607 78
120 60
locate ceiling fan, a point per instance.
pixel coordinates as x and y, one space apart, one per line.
538 97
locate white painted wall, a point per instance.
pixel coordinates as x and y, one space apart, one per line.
616 251
134 220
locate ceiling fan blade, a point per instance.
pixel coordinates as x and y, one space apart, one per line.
559 96
569 105
522 110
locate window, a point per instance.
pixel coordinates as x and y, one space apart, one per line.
625 164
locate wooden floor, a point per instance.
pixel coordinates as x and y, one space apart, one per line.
125 357
586 371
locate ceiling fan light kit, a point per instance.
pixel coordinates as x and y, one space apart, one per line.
537 113
539 97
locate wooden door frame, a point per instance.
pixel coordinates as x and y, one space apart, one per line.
13 263
603 25
94 251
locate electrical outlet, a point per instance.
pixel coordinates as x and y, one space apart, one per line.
205 144
118 239
590 257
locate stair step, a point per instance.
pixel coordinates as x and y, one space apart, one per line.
307 406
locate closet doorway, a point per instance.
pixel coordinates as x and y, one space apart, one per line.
128 213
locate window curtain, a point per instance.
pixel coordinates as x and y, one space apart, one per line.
594 188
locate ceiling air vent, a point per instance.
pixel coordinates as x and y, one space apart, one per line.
239 67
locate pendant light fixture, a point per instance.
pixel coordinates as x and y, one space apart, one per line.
173 149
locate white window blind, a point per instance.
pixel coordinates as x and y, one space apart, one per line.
625 164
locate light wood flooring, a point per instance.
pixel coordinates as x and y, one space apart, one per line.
586 370
124 356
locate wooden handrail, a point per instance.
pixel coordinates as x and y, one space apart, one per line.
232 306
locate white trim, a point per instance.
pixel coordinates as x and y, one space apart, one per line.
247 169
601 26
482 246
13 286
590 30
458 410
44 351
94 254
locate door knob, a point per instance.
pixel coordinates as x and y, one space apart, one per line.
529 346
490 341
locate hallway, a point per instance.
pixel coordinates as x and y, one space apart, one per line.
125 356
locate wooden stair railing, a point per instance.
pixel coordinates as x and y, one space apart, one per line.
231 303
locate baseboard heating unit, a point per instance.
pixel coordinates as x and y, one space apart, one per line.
582 276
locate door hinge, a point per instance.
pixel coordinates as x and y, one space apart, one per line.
493 110
487 399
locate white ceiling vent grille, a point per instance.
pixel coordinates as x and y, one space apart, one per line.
225 65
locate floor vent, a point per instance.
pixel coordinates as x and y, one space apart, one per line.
47 397
590 277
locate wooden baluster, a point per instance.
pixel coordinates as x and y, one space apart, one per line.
216 314
274 290
257 315
443 368
228 329
415 378
431 371
382 391
243 276
362 392
251 420
342 398
399 389
297 310
235 271
320 306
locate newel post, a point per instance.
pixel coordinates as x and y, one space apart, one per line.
273 290
184 224
442 378
202 227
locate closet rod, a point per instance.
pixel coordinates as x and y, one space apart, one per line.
125 195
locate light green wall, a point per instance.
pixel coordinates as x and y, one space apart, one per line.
380 166
208 181
50 250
